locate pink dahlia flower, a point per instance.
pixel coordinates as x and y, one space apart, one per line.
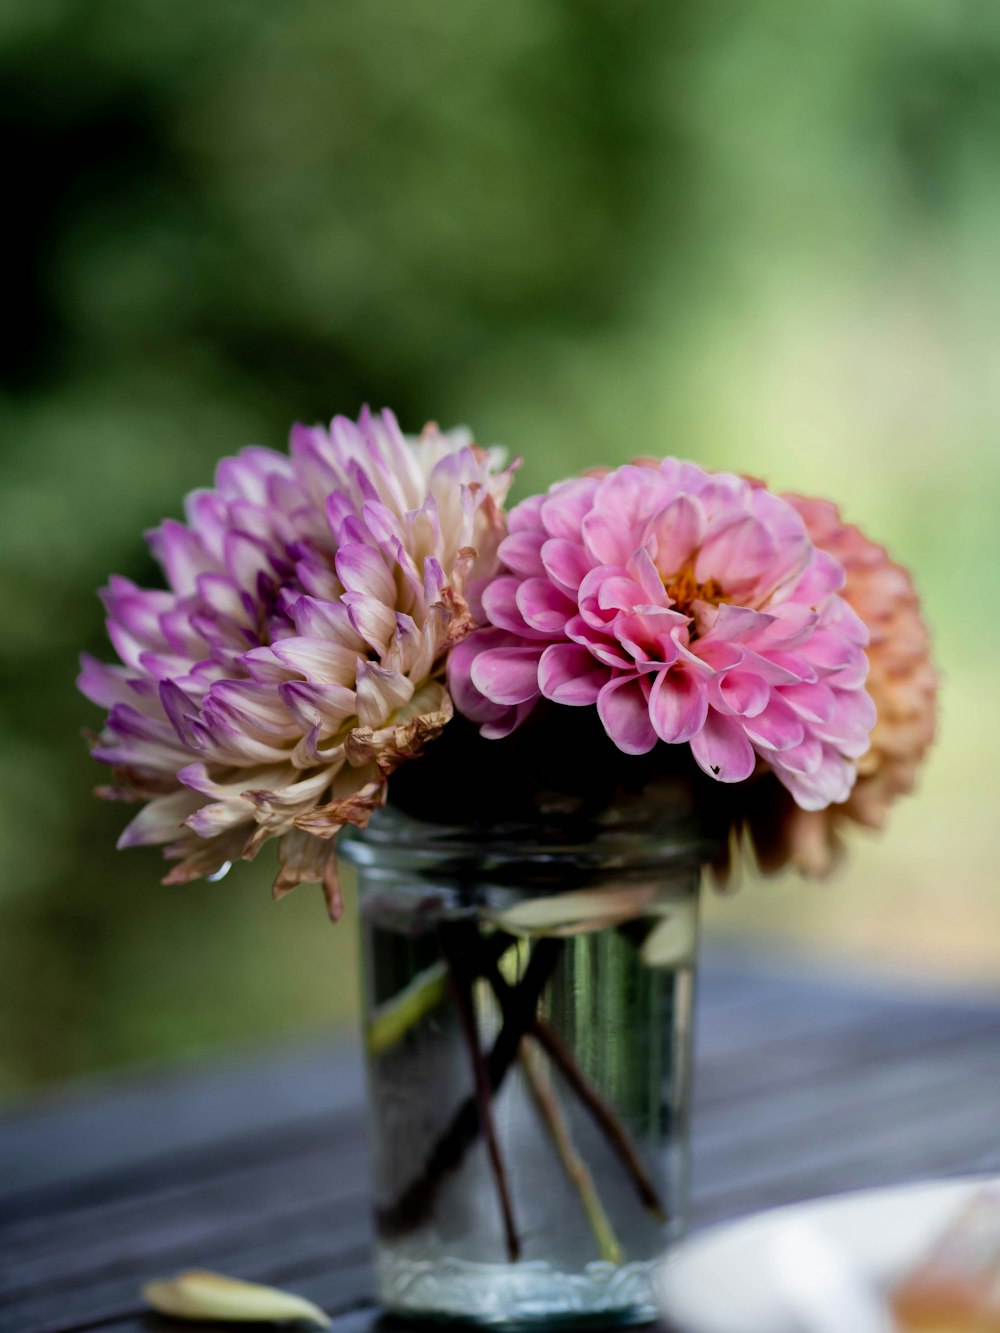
296 656
691 608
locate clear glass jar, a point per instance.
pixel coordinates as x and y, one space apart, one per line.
528 1030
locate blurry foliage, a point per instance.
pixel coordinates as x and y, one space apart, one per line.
762 236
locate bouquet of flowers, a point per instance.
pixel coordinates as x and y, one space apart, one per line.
331 611
366 600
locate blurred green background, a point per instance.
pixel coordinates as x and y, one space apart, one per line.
761 236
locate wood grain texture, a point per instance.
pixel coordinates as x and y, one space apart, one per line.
808 1082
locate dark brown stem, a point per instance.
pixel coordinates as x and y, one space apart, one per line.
601 1110
461 978
417 1199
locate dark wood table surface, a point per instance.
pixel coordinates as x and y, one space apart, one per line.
809 1081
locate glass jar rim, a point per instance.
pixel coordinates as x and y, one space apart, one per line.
632 836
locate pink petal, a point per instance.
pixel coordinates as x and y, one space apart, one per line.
527 515
796 667
544 607
618 592
805 758
569 674
830 784
743 693
821 577
769 670
604 648
735 555
521 553
777 728
467 699
567 563
647 635
791 625
507 722
678 705
713 656
738 623
721 749
624 710
501 609
853 717
607 538
815 703
678 531
850 676
629 493
641 568
840 615
563 510
828 651
507 675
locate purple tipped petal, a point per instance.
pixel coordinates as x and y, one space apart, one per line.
181 554
362 570
160 821
373 620
324 706
380 692
103 685
180 708
246 558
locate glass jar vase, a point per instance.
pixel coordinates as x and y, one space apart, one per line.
527 1012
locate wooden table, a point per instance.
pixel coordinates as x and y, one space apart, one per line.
809 1082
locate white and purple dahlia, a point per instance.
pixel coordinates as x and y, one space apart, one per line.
296 656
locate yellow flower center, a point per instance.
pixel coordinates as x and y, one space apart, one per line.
683 588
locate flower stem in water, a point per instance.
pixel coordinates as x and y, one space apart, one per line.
461 977
574 1165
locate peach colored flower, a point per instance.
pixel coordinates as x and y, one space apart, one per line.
902 682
